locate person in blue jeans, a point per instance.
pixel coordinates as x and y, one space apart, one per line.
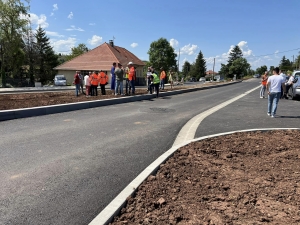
274 85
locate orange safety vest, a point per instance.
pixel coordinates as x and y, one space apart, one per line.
162 75
264 80
103 78
95 79
131 74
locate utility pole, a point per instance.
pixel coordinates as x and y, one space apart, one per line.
178 59
213 70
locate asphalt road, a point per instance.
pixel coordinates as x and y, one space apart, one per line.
65 168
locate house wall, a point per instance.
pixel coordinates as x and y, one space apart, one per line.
69 75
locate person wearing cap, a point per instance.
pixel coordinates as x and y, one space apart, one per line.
154 78
131 76
103 80
162 78
119 79
113 78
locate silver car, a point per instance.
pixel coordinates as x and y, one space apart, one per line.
294 91
60 80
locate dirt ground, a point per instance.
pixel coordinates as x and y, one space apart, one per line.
244 178
26 100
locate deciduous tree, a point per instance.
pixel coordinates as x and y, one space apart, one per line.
76 51
13 17
162 54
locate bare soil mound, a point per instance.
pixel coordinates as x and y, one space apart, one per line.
243 178
34 99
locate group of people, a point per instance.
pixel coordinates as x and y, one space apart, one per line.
93 79
118 73
277 87
155 82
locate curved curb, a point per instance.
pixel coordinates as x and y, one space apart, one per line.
51 109
115 206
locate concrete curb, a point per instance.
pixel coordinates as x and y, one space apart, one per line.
51 109
115 206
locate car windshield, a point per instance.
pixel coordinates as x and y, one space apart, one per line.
60 78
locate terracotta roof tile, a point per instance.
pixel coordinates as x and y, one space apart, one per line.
101 58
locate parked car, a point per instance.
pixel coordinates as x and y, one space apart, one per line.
193 79
294 91
202 79
60 80
256 76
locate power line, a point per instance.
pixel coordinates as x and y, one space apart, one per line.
273 53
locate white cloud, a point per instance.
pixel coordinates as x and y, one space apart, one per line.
95 40
174 43
70 16
74 28
55 7
40 21
92 24
134 45
64 45
245 49
54 34
52 14
188 49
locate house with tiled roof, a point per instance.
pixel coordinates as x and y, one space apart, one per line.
101 58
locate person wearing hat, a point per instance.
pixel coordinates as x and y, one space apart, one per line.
131 77
162 78
119 79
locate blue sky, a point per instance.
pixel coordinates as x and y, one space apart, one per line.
259 27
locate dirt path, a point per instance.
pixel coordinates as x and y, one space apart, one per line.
245 178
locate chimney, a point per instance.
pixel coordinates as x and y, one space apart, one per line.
111 42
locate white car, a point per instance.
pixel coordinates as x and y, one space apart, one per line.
202 79
294 91
60 80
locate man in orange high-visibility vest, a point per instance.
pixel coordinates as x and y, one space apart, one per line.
131 77
94 83
103 80
162 78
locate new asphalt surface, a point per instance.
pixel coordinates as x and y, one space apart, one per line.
65 168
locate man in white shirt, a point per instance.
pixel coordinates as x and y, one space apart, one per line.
274 85
288 85
282 74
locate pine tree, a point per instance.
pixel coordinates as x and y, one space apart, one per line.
186 68
46 58
285 64
199 67
234 54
